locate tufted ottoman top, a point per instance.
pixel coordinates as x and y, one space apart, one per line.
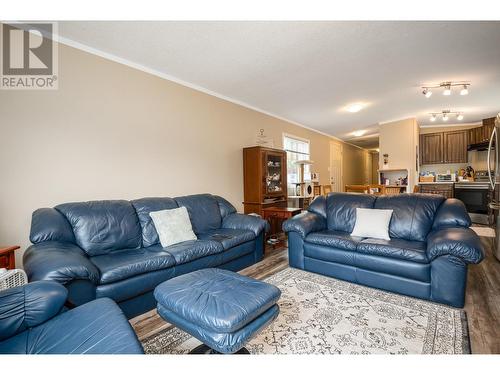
216 299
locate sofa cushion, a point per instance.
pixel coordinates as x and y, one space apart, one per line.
97 327
228 237
126 263
413 214
203 211
341 209
395 248
48 224
103 226
225 207
143 207
215 299
334 238
190 250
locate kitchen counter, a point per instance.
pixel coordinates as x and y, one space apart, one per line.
436 183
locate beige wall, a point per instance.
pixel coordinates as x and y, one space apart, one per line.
399 139
113 132
355 164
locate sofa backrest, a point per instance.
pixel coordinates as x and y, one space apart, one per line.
452 213
204 211
413 214
341 209
102 226
143 207
99 227
48 224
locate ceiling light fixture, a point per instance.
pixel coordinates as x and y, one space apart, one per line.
446 86
445 115
358 133
355 107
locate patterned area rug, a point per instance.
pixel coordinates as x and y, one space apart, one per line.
484 231
322 315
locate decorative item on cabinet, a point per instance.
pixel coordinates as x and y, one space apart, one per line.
264 178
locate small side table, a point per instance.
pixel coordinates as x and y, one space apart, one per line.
7 257
276 216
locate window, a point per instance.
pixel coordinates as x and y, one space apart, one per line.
296 149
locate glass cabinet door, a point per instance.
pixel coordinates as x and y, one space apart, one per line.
274 173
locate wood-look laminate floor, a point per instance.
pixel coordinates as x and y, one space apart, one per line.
482 301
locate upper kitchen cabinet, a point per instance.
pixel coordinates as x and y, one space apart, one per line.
481 134
455 146
431 148
444 147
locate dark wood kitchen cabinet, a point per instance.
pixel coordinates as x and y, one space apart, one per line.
444 147
482 133
455 146
435 188
431 148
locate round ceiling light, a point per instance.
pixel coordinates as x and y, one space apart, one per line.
354 107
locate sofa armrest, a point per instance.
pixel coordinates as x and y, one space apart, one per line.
247 222
462 243
29 305
305 223
59 261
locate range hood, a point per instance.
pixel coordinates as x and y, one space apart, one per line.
482 146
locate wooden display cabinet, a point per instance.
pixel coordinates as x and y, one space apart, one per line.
264 179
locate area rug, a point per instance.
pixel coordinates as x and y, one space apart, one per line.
484 231
322 315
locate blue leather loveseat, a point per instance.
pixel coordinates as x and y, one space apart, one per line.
111 248
426 257
33 320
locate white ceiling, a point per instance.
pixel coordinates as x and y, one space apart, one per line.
307 72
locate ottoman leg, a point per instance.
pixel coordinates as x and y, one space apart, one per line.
205 349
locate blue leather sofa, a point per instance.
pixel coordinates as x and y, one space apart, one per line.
111 248
33 320
427 256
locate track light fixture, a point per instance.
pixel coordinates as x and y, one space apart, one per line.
446 86
445 115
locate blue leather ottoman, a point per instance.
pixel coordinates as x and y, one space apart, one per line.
220 308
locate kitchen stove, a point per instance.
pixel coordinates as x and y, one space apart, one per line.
476 196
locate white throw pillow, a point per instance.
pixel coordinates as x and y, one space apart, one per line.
372 223
173 226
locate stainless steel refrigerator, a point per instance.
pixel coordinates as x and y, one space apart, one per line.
493 150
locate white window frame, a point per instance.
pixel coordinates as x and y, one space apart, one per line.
300 139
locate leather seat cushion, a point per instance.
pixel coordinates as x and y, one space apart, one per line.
143 207
395 248
341 209
334 238
123 264
228 237
216 300
102 226
412 216
188 251
203 210
97 327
